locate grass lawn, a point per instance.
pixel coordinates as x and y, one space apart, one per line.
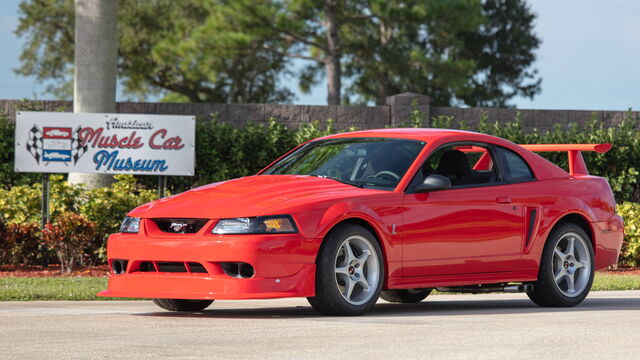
52 288
605 281
85 288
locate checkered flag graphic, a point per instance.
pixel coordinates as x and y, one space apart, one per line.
34 143
77 149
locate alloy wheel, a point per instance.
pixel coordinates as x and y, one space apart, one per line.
571 264
357 270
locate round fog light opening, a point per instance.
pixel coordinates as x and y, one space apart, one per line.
246 270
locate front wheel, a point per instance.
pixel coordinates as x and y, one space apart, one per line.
566 268
182 305
349 272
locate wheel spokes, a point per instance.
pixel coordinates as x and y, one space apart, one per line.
571 283
348 253
571 246
364 283
559 253
348 287
579 265
343 270
363 257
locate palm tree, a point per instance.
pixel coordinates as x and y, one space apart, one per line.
96 52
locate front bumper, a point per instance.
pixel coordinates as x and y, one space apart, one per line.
284 266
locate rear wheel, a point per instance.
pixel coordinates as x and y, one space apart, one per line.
405 296
566 269
349 272
182 305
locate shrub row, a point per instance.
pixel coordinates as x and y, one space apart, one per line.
81 220
225 152
630 254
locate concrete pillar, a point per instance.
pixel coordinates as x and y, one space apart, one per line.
401 106
96 54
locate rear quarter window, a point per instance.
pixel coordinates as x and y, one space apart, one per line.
515 166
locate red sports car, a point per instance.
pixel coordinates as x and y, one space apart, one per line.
393 213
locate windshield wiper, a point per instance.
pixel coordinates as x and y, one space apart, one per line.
348 182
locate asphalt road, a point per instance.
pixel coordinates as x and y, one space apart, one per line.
500 326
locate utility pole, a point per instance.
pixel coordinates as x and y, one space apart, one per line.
96 54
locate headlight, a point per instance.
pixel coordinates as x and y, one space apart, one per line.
282 224
130 225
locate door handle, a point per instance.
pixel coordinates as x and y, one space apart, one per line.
503 200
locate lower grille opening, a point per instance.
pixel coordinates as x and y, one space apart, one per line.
147 266
197 268
119 267
175 267
171 267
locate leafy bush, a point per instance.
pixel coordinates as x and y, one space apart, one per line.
20 207
68 236
108 206
22 203
6 246
630 254
24 243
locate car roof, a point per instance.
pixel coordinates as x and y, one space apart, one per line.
542 168
423 134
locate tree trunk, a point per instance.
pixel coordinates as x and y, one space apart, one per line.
386 33
96 53
333 56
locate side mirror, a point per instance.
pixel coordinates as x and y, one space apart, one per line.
434 182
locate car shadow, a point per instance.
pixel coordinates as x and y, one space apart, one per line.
438 307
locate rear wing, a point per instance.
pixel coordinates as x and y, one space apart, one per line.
577 165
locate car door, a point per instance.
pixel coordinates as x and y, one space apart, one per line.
476 226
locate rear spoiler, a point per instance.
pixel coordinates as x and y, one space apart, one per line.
577 165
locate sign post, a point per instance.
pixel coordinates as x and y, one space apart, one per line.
45 217
162 186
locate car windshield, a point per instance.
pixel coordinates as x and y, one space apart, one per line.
362 162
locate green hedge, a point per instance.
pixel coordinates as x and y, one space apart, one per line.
225 152
630 254
103 209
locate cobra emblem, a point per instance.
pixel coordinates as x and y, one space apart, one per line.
177 227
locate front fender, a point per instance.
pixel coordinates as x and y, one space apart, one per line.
381 222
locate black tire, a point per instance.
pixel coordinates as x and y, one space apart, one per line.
328 299
182 305
546 292
405 296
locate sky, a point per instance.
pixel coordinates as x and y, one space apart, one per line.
589 58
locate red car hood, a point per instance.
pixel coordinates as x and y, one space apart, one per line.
247 196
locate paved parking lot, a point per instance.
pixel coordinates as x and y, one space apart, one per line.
500 326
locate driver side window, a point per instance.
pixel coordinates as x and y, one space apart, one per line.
464 164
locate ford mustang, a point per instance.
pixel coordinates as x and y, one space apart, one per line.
395 213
